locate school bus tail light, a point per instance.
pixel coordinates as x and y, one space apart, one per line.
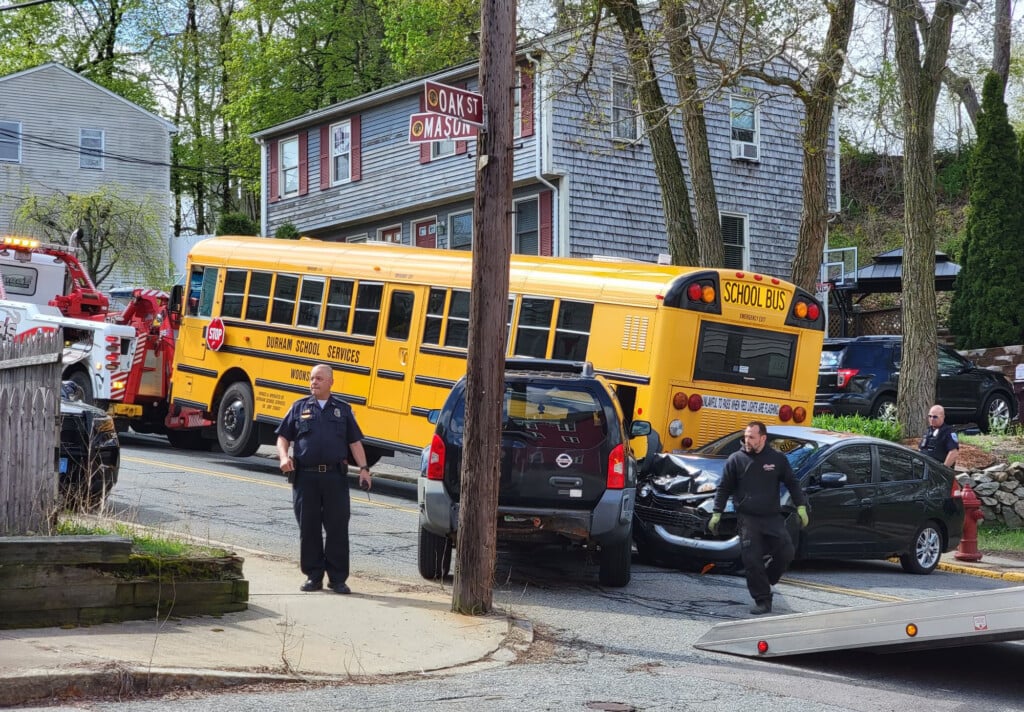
616 468
695 402
799 414
785 413
701 292
435 459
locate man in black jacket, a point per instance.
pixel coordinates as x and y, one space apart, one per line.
752 476
940 441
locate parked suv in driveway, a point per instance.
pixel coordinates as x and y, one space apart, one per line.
860 376
567 472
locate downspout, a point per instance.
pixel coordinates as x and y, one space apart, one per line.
538 143
264 186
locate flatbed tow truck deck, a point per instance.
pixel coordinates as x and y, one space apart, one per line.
941 622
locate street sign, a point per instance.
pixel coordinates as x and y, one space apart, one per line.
215 334
458 103
427 127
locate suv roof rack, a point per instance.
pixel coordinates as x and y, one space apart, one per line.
583 368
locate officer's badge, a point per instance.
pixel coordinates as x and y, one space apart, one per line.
337 412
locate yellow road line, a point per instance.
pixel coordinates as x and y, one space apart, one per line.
253 480
860 593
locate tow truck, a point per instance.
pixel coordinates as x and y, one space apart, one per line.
923 624
121 360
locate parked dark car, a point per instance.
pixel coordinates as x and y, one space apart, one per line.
567 473
869 499
90 453
860 376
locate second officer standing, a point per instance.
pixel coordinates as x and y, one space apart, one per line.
325 434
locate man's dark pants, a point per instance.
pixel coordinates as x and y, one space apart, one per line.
760 536
322 507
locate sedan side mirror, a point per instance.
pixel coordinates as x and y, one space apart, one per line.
833 479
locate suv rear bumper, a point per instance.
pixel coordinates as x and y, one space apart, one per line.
842 404
610 521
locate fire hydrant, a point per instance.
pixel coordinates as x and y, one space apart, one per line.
968 548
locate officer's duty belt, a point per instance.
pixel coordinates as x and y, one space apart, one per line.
319 468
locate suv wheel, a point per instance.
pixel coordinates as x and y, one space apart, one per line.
615 563
996 414
435 555
885 408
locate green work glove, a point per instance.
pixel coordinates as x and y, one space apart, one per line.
804 519
713 524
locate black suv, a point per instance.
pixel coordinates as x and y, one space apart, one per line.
90 453
860 376
567 471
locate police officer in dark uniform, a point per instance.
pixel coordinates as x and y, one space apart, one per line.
324 432
940 442
752 476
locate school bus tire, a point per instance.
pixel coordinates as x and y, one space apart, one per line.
236 429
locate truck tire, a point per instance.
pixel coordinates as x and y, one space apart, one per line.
236 428
435 555
616 561
82 380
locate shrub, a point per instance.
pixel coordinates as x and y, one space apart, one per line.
237 224
287 232
883 429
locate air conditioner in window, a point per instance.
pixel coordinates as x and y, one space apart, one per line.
745 151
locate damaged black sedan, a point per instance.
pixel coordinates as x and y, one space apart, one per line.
868 499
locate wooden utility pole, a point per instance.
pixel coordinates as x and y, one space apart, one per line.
485 367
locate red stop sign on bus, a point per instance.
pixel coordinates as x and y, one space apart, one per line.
215 334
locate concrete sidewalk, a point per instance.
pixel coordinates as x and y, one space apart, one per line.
383 628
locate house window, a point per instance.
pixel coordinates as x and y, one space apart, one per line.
10 141
517 105
90 144
743 116
440 149
734 239
624 117
525 237
341 152
362 237
289 162
460 231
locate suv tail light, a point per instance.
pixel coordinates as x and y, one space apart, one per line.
845 375
435 459
616 468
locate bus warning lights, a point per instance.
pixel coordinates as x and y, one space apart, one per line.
806 310
698 292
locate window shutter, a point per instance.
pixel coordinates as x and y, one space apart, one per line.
325 157
275 194
303 162
544 208
357 148
526 101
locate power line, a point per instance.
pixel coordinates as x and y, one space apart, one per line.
121 158
27 3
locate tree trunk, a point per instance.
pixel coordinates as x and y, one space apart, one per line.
819 104
675 199
705 198
485 372
920 78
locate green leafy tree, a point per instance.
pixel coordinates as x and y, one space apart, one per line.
988 305
117 233
423 36
237 224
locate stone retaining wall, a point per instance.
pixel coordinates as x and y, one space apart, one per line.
1001 491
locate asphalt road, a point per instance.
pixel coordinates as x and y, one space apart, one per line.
595 647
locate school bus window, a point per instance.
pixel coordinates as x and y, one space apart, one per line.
534 327
195 287
572 333
209 291
435 316
310 297
339 305
285 289
367 313
508 319
457 333
745 356
259 296
400 315
234 293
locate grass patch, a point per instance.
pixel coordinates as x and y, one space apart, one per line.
998 537
883 429
144 543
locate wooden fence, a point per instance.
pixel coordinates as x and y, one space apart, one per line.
29 434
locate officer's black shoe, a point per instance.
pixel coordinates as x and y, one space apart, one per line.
312 585
339 588
762 607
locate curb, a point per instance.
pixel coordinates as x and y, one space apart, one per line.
1014 576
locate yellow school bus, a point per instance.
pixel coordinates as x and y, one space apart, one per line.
697 352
